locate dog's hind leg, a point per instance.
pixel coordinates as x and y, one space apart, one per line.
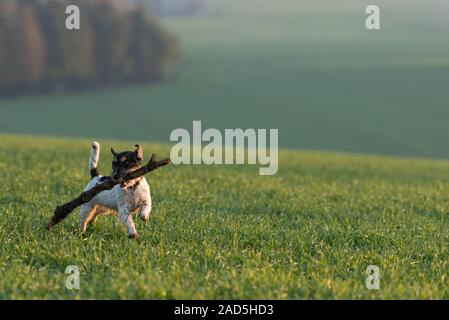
98 212
86 214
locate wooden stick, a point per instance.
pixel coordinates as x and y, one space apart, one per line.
107 183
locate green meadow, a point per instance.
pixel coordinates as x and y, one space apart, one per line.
358 112
224 232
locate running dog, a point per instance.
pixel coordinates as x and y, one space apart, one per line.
124 199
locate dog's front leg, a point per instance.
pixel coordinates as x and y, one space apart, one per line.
145 210
125 218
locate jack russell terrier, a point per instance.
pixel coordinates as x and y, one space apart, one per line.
123 200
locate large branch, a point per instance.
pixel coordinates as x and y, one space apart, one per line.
107 183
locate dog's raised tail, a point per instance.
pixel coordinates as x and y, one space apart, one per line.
94 158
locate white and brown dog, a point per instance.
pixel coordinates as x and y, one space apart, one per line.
122 200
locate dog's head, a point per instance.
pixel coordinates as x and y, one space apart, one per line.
125 162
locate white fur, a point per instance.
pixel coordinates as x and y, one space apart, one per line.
121 201
94 155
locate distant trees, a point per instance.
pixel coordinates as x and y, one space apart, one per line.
158 47
22 48
69 58
37 52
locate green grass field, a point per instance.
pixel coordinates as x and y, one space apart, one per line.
307 68
225 232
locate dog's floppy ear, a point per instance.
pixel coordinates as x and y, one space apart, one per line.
139 152
113 151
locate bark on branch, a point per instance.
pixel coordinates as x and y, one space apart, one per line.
62 211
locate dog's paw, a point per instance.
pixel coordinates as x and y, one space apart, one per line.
144 218
83 235
134 236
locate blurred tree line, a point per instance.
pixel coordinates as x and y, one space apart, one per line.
38 53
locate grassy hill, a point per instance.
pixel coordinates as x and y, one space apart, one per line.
225 232
308 68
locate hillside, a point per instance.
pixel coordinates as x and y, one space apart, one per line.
226 232
310 69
